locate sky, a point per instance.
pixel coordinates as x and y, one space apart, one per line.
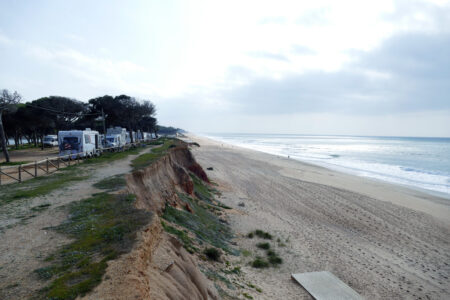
346 67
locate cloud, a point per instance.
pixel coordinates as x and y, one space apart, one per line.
408 72
268 55
5 40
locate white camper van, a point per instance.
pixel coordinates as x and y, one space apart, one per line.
85 143
50 140
115 137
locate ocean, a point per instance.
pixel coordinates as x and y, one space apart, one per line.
416 162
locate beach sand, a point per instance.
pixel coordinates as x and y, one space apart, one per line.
385 241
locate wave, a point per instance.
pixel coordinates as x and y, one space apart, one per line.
389 160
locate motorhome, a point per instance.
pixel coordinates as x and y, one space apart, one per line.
50 140
82 143
128 137
116 137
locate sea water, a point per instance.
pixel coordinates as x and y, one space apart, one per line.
413 161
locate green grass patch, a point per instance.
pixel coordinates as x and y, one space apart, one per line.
102 228
13 163
247 296
147 159
41 185
235 270
23 147
144 160
246 253
112 156
112 183
182 235
202 222
214 275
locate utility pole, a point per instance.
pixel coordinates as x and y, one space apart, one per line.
104 126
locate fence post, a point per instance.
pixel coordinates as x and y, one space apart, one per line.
47 164
20 173
1 175
35 168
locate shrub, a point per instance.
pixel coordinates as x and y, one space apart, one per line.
265 246
250 235
212 253
260 263
275 260
263 234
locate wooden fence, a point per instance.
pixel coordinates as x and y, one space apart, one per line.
20 173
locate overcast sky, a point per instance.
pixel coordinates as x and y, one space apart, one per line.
313 67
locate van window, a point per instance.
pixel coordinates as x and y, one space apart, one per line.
87 139
70 143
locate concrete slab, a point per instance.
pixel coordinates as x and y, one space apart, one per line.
325 286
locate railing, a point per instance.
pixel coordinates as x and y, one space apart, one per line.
22 172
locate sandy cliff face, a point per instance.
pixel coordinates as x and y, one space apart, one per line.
158 267
159 183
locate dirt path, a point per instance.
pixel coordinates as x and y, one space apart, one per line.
382 250
25 242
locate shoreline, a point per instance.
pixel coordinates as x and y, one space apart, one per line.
354 171
384 241
419 199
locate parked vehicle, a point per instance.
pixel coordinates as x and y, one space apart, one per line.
116 137
50 140
85 143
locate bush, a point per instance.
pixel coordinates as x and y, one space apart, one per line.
265 246
212 253
250 235
275 260
260 263
263 234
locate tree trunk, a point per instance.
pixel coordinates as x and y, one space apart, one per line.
42 142
3 139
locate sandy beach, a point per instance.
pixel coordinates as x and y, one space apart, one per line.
385 241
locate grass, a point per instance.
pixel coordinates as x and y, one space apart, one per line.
203 222
112 183
246 253
13 163
23 147
182 235
250 285
235 270
147 159
247 296
102 228
112 156
41 185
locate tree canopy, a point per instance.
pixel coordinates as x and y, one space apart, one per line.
51 114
